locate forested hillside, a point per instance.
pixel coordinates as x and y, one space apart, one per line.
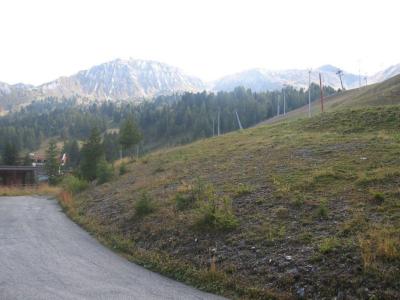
168 120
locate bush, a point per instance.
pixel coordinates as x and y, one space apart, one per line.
183 201
215 212
73 184
122 169
104 172
144 205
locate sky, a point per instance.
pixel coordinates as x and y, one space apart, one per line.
41 40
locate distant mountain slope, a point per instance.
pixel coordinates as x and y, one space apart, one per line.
262 79
11 95
115 80
135 80
123 80
385 74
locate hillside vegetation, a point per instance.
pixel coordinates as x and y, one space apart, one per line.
301 208
384 93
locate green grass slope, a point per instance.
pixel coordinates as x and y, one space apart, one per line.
384 93
302 208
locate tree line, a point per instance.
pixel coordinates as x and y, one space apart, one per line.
166 120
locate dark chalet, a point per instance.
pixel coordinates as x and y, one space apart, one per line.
18 175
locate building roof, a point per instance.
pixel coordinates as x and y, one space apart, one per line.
17 168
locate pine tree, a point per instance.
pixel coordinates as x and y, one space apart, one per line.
129 135
52 163
91 154
10 154
71 148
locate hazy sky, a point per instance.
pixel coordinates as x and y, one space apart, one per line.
42 40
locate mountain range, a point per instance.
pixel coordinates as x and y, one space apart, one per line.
136 80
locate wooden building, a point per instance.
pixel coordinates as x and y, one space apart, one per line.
18 175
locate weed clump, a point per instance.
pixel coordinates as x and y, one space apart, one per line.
122 169
144 205
104 172
243 189
214 212
379 244
377 197
272 233
282 212
74 184
322 210
183 201
328 245
298 201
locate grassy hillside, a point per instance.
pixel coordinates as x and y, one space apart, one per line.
301 208
384 93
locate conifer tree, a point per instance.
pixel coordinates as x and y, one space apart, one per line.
129 135
91 154
52 162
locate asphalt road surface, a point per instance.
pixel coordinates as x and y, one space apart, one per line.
44 255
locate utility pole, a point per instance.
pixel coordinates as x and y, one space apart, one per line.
284 100
213 127
309 93
238 120
322 93
340 74
218 121
278 107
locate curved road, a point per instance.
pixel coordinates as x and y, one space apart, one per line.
44 255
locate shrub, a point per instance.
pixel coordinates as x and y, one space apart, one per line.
144 205
215 212
122 169
104 172
183 201
73 184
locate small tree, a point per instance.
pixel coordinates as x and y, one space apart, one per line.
10 154
71 148
129 135
91 154
104 172
52 163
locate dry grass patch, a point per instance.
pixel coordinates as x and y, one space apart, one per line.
379 244
43 189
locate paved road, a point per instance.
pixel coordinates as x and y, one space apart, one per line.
43 255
